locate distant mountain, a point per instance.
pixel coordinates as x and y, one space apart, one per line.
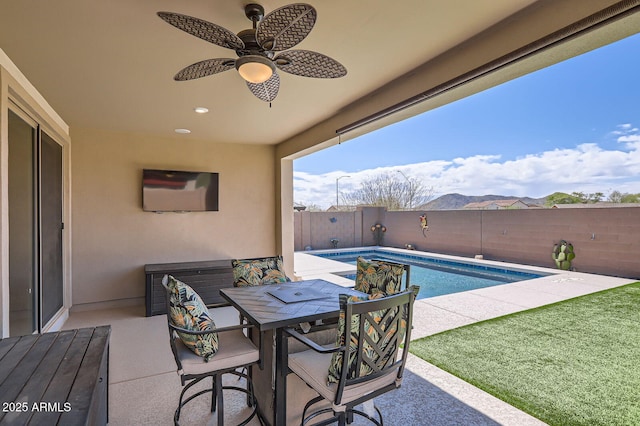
458 201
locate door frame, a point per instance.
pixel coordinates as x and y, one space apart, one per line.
17 92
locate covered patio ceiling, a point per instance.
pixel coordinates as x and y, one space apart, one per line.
110 65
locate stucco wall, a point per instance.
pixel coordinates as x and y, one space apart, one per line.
606 240
113 238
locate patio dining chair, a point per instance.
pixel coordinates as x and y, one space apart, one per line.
203 351
381 277
365 362
258 271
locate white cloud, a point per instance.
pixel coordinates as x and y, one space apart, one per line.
586 168
629 136
630 139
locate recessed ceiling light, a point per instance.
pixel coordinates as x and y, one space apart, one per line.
182 131
201 110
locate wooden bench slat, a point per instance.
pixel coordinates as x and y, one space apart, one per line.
11 359
86 383
6 345
34 388
23 372
28 364
60 387
55 378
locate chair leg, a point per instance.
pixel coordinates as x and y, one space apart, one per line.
214 393
218 379
349 417
217 399
329 411
373 420
249 372
342 419
379 413
183 401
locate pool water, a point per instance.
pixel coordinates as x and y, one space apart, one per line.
437 277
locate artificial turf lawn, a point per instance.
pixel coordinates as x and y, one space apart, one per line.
576 362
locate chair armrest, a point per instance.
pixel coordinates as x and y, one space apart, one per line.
311 344
217 305
322 326
217 330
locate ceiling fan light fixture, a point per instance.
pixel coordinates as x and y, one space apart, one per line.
255 68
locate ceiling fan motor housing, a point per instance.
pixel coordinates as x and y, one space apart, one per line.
251 46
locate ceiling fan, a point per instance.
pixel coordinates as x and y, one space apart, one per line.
260 49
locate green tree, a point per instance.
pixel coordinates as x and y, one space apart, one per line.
596 197
630 198
620 197
563 198
588 198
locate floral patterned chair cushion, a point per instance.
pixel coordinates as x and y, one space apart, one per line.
378 278
188 311
387 324
259 271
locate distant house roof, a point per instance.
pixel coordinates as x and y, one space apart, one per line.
594 205
497 204
341 208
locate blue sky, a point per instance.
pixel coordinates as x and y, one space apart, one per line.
570 127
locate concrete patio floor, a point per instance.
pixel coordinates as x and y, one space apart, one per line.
144 386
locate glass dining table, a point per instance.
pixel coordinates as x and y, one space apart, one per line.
271 309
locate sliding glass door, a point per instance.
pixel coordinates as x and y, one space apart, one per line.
35 226
23 309
51 227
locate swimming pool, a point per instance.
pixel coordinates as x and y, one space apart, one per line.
435 276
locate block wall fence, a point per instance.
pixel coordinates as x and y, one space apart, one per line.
606 240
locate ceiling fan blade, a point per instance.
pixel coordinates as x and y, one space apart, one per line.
309 64
268 90
204 68
285 27
204 30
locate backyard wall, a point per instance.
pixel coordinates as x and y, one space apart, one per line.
606 240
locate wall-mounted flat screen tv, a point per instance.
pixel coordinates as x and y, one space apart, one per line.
179 191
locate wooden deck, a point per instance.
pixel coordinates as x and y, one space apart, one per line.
55 378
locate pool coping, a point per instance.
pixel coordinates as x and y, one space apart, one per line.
445 257
440 313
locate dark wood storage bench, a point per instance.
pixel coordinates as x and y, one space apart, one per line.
55 378
206 278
